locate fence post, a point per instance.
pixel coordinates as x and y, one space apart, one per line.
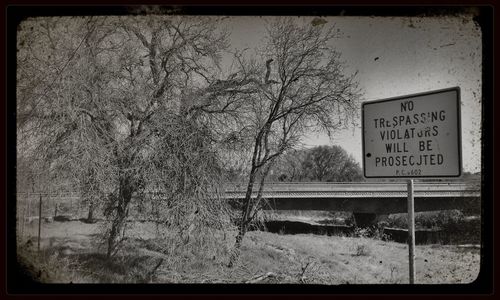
28 214
23 219
39 221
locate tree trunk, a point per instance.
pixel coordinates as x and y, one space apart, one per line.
90 216
243 226
242 229
118 222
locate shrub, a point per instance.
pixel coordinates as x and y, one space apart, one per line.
362 250
48 266
374 232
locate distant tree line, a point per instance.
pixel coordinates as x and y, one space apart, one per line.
319 164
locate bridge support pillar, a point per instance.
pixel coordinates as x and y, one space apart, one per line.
365 219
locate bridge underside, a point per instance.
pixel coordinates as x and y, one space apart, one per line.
373 205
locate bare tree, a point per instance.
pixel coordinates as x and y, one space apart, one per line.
129 106
302 86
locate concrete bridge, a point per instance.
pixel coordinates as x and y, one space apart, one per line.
365 199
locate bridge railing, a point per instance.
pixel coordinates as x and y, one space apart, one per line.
362 187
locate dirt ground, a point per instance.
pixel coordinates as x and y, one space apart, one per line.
265 258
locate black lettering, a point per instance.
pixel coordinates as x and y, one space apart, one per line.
421 146
382 135
424 119
442 116
427 132
407 105
395 121
434 116
408 120
412 132
435 130
428 145
424 145
415 119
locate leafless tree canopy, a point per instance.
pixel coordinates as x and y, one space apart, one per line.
124 106
137 111
299 85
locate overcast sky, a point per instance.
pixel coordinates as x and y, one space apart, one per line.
397 56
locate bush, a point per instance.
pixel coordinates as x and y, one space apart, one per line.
455 226
49 266
370 232
362 250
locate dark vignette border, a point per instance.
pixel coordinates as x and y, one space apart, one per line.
17 281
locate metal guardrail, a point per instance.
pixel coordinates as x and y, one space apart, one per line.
359 190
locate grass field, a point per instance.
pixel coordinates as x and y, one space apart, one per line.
265 258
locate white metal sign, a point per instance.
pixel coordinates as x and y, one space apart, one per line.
413 136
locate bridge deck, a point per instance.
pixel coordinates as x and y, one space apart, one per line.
379 198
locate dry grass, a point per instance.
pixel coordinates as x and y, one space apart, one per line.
51 266
265 258
360 260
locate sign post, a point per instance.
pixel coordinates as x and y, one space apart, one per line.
411 231
414 136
